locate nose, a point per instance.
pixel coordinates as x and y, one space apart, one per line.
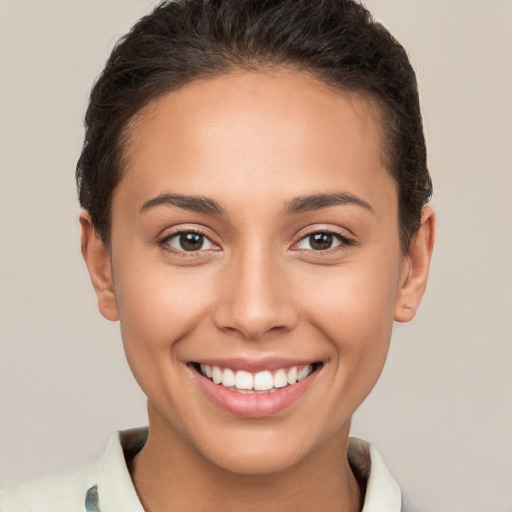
254 297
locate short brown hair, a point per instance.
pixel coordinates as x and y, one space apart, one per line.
337 41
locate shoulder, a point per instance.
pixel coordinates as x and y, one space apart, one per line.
105 479
59 492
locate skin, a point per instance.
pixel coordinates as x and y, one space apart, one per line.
253 142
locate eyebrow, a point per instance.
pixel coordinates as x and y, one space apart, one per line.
192 203
319 201
297 205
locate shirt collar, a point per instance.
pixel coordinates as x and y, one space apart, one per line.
115 490
382 492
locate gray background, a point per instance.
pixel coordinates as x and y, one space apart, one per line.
441 414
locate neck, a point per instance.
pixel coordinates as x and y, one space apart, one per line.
170 476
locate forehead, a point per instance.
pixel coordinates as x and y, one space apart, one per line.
250 132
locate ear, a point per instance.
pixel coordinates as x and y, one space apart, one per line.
98 263
413 280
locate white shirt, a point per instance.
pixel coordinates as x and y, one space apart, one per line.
104 484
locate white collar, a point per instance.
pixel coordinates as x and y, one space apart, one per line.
115 490
382 492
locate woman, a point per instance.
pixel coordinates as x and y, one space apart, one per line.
254 188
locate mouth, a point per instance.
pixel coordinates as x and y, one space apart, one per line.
256 383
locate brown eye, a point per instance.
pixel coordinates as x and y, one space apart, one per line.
322 241
191 241
188 241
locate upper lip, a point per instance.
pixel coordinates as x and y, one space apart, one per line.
255 365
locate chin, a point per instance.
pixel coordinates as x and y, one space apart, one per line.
256 461
264 450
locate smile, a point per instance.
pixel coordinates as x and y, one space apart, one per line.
261 382
255 390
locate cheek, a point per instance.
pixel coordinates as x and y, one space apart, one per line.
157 310
355 314
158 306
355 309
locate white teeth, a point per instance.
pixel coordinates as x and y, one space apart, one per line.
244 380
207 370
291 376
228 378
280 380
263 381
260 382
304 372
216 374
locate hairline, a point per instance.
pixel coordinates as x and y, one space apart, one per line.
380 114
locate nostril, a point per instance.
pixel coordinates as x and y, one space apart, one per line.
254 323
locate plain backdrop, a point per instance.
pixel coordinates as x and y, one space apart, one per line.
441 414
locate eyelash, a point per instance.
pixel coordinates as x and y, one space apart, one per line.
343 242
164 242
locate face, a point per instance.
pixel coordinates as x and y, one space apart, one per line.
256 267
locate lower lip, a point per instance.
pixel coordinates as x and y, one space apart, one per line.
254 406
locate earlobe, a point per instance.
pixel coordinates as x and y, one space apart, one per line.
413 280
96 257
